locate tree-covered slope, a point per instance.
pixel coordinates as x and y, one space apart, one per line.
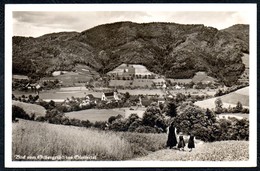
174 50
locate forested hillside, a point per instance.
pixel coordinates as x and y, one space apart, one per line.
170 49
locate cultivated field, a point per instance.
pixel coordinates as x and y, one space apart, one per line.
30 108
62 93
216 151
94 115
230 99
36 139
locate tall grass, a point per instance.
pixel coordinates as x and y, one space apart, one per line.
34 139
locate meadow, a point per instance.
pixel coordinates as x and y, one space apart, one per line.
94 115
30 108
230 99
62 93
31 138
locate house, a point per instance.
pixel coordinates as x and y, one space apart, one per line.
177 87
110 96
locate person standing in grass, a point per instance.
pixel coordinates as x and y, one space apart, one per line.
191 143
172 140
181 143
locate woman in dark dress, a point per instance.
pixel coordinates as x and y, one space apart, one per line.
181 143
172 140
191 143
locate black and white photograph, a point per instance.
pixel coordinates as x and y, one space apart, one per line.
130 85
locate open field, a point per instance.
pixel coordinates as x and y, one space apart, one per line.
230 99
62 93
34 139
216 151
236 115
94 115
30 108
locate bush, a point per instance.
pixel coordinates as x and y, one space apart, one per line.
86 123
65 121
111 119
40 119
119 125
100 124
18 112
133 126
146 129
75 122
54 116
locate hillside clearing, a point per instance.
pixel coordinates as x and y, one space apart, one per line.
94 115
61 94
30 108
230 99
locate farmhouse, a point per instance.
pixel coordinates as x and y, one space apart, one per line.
110 96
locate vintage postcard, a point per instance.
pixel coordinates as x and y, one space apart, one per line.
130 85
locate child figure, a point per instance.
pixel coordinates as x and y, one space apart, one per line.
181 143
191 143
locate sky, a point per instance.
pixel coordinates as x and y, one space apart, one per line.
38 23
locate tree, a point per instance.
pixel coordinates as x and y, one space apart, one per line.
239 107
171 109
152 117
193 119
127 95
210 115
218 104
18 112
54 116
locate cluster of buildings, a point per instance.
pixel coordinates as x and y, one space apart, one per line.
130 75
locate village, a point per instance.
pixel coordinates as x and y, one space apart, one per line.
128 89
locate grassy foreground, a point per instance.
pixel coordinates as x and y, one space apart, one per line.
215 151
43 141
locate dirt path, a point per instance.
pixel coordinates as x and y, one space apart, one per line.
173 154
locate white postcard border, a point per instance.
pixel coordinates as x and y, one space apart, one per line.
250 8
